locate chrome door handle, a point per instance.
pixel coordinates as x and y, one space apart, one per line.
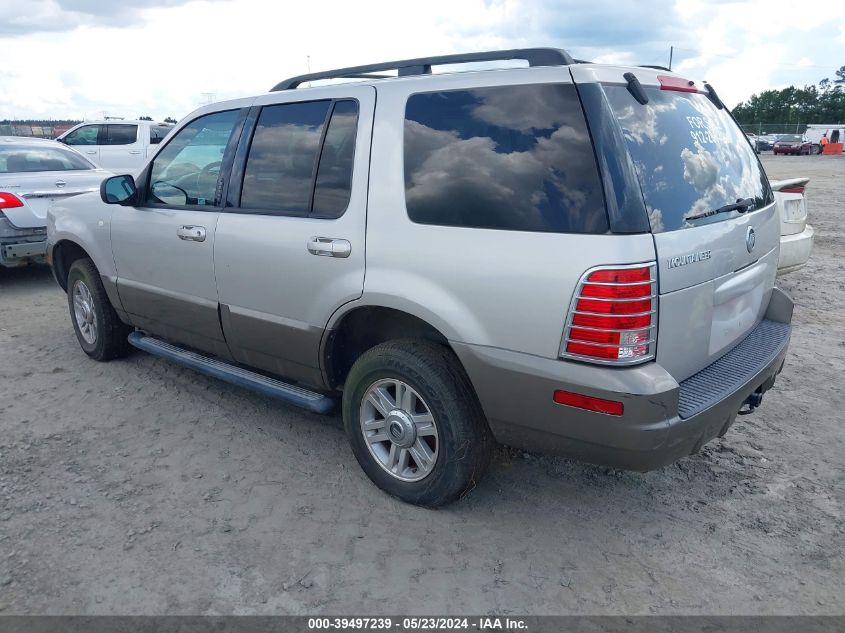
329 247
90 151
191 233
134 151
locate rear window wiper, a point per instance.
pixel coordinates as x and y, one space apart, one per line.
740 205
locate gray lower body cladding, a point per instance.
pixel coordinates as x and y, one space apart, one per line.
516 392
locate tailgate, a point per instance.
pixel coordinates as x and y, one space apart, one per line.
711 211
713 290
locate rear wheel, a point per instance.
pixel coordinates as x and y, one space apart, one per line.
414 422
100 332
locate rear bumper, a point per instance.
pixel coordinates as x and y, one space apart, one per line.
795 250
662 421
15 253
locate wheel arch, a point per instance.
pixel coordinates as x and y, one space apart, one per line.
62 256
360 328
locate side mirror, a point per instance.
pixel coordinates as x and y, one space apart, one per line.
118 190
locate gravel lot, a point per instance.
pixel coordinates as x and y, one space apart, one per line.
138 487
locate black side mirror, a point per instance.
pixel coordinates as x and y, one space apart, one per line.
119 190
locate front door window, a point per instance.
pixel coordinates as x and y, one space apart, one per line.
186 171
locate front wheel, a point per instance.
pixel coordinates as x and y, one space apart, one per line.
414 422
100 332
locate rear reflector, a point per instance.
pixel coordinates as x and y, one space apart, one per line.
580 401
613 319
667 82
9 201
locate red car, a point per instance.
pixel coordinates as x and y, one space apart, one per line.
793 144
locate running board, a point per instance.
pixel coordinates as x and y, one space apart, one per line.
233 374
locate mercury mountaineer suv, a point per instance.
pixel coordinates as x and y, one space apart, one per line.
566 257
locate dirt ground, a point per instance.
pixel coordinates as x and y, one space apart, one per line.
138 487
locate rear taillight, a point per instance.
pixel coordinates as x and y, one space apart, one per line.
9 201
799 189
613 317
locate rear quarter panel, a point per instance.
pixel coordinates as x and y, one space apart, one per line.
497 288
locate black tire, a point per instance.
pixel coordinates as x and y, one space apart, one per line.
110 340
465 443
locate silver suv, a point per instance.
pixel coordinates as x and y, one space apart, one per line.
565 257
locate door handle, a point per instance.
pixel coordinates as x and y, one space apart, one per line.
329 247
90 151
134 151
191 233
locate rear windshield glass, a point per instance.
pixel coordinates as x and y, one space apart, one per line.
511 157
790 138
25 158
690 157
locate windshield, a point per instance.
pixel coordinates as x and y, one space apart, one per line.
690 157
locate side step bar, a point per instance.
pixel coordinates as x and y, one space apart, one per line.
233 374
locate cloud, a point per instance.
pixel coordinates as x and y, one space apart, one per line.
74 58
20 19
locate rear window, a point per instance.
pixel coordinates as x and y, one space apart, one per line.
690 157
790 138
158 132
510 157
20 158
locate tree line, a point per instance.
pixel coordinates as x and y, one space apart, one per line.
823 103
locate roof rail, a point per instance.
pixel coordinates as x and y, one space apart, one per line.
655 67
422 65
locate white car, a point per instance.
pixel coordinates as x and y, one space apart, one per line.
33 174
796 236
117 145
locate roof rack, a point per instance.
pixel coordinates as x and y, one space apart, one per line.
655 67
422 65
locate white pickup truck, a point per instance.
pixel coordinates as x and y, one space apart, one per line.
119 146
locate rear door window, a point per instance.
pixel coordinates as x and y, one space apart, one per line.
690 157
297 165
120 135
508 157
334 175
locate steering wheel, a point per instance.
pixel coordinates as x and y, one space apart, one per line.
211 168
207 178
169 184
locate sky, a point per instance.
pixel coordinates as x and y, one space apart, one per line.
83 59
